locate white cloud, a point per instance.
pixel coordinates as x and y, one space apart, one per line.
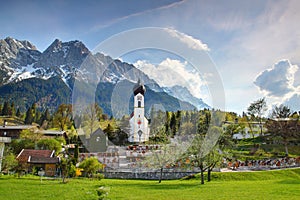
137 14
268 36
294 102
190 41
278 85
170 72
278 80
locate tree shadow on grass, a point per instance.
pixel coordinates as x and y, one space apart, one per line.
290 181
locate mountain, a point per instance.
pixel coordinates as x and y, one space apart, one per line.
15 54
184 94
47 78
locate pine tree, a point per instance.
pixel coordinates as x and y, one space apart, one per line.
18 114
37 117
29 116
5 109
109 130
33 110
12 109
44 119
173 126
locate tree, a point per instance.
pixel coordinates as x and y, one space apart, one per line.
187 128
49 144
197 156
110 132
93 113
29 118
32 135
44 119
204 121
166 155
257 109
281 111
9 162
18 114
282 126
76 154
65 166
5 109
63 117
19 144
173 124
12 111
213 158
90 166
201 149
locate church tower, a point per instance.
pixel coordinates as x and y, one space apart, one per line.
139 130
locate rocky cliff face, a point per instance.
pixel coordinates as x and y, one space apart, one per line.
15 53
63 53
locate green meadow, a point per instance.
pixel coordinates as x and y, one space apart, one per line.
276 184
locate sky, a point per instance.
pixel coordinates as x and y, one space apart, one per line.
254 45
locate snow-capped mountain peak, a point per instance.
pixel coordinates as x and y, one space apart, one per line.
184 94
15 53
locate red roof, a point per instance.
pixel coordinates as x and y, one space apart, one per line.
35 154
37 160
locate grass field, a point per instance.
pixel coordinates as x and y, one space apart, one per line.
282 184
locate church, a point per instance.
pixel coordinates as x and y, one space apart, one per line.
139 129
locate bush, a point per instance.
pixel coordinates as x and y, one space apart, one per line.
259 152
102 192
72 171
90 166
50 144
98 176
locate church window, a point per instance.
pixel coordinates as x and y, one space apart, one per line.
139 104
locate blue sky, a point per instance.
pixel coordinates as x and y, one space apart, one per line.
254 44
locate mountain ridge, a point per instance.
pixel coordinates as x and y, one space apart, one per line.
21 64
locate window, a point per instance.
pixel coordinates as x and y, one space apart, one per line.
139 104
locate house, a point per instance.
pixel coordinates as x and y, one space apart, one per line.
96 142
40 159
14 131
54 134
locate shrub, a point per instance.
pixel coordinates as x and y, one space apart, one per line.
102 192
72 171
98 176
90 166
259 152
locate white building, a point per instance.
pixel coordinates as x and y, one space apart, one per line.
139 130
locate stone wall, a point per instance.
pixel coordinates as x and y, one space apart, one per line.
153 175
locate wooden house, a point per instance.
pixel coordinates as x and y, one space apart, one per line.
14 131
41 159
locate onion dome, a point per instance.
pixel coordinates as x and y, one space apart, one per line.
139 88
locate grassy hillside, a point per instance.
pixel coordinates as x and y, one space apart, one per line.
283 184
245 149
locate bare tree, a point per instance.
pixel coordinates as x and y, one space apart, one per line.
257 109
92 116
283 126
281 111
165 155
202 150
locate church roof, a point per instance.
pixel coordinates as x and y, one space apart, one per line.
139 88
